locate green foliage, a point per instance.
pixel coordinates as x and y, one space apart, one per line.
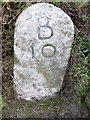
56 3
80 71
81 1
1 2
86 18
21 5
58 101
87 103
2 103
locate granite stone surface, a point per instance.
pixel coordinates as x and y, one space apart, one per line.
42 45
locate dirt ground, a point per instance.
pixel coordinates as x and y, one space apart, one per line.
67 104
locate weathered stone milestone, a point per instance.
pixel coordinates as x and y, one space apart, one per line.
42 45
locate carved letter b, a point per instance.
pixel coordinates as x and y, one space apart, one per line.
44 31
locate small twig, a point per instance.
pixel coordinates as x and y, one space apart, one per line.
36 112
13 18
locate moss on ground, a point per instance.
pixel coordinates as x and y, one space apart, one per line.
35 108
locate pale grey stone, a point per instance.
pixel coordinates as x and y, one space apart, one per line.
42 45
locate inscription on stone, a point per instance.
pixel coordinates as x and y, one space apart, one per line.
32 50
48 50
44 30
42 45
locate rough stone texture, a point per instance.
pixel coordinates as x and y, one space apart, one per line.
42 44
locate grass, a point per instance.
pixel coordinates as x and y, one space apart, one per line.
80 61
2 103
56 3
79 71
87 104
